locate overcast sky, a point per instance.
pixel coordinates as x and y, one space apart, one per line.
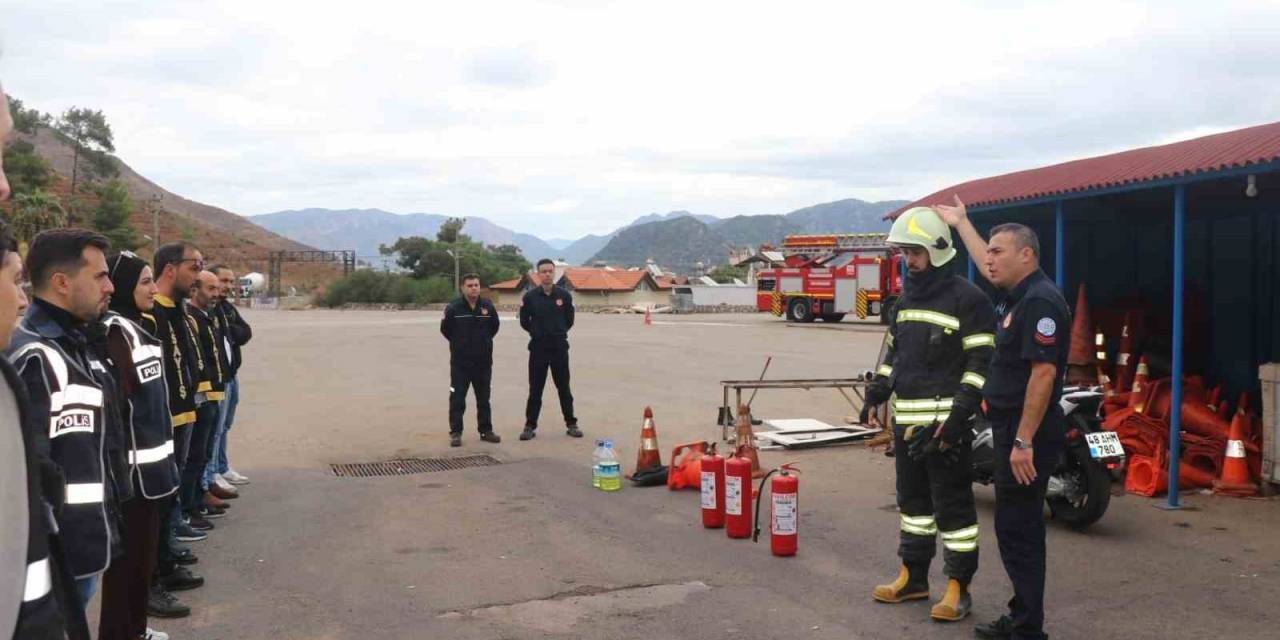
564 118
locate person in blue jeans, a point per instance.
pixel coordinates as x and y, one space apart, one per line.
236 333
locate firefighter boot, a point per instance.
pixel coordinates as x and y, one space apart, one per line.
912 584
954 605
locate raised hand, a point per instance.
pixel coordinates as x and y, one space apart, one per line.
953 215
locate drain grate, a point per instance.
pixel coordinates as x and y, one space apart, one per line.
410 466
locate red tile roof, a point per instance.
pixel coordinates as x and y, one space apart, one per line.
1239 148
507 285
587 279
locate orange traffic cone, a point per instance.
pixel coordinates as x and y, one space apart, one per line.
1105 381
1146 476
1191 476
648 316
1124 361
686 466
1081 355
648 458
1140 382
1100 347
746 440
1197 418
1235 479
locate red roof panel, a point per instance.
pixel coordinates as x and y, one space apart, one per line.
1239 148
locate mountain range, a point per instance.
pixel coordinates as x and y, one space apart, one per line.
674 240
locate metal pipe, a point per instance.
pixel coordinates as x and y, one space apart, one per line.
1175 408
1059 275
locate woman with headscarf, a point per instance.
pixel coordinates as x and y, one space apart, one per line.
135 356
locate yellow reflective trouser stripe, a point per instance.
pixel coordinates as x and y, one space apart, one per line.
884 370
922 405
919 525
979 340
889 340
961 540
927 417
971 378
932 317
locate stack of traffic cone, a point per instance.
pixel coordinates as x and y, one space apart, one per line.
1100 348
1124 358
648 461
1080 356
1149 476
746 440
1105 382
1235 479
686 466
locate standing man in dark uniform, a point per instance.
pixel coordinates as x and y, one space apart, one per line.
470 323
546 312
1033 331
940 344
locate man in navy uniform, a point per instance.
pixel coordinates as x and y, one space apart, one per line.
470 323
1033 334
546 312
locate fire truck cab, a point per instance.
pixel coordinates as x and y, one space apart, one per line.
830 275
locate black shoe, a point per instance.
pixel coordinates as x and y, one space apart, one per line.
1000 628
527 434
185 533
210 513
573 431
186 559
455 440
162 604
181 579
199 523
489 436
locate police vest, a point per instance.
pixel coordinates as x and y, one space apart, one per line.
76 437
146 412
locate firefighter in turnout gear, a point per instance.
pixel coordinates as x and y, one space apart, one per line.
940 344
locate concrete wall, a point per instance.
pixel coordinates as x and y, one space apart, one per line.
621 298
732 295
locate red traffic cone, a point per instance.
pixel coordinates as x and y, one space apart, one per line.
1146 477
648 316
1081 354
1140 383
1124 358
648 458
1235 479
686 466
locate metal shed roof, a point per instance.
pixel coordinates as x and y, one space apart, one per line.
1218 152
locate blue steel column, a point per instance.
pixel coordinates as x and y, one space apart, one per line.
1175 407
971 269
1058 274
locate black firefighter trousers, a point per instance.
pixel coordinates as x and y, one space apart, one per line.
556 359
936 496
461 376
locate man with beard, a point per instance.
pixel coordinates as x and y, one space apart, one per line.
211 383
219 476
66 382
177 265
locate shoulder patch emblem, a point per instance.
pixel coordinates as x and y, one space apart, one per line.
559 302
484 311
1045 328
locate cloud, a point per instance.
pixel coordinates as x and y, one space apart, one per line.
588 114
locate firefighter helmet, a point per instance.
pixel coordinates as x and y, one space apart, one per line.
921 227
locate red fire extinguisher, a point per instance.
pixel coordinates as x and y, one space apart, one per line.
784 520
712 490
737 495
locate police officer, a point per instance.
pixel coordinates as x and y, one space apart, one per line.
546 312
940 343
469 324
1032 337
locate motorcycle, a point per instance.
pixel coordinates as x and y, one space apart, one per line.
1080 487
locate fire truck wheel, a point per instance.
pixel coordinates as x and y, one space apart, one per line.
800 311
832 317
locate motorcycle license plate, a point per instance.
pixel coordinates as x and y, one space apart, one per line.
1104 444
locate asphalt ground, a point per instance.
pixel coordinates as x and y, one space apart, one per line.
528 549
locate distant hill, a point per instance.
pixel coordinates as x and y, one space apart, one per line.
581 250
366 229
679 243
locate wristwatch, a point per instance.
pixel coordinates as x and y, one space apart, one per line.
1018 443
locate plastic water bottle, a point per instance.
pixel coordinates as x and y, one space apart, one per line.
596 457
610 469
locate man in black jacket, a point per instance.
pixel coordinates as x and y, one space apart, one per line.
546 312
219 476
470 323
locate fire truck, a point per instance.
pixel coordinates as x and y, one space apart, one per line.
830 275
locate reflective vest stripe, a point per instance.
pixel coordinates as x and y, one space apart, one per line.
75 394
971 378
967 533
922 405
932 317
39 580
979 340
921 418
960 546
154 454
84 493
147 352
51 356
884 370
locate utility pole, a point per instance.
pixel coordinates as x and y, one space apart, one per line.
457 286
156 199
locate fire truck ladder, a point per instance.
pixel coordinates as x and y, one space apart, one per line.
834 242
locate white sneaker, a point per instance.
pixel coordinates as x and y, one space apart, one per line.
152 634
224 484
235 477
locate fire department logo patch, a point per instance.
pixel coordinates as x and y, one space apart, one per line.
559 302
484 311
1045 330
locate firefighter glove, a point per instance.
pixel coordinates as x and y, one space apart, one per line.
878 392
918 438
